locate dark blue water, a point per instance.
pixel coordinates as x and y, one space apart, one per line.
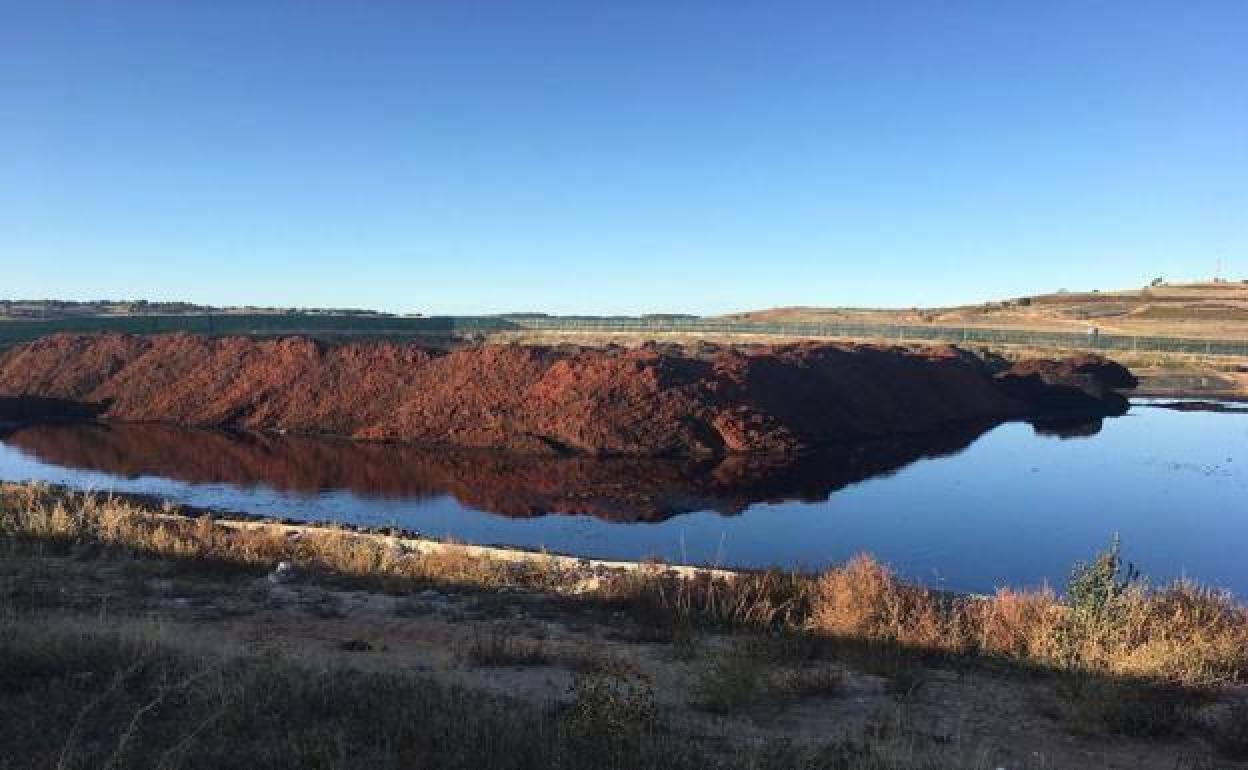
969 510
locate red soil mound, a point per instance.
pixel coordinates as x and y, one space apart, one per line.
530 398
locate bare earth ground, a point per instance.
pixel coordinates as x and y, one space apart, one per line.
530 645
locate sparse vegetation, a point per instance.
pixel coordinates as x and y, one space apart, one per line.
1182 633
727 680
501 647
1230 734
93 699
1125 707
614 703
79 689
808 682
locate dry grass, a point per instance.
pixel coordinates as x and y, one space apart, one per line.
751 600
76 693
79 692
865 600
45 513
727 681
500 646
1180 634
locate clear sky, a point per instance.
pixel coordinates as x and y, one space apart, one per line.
618 157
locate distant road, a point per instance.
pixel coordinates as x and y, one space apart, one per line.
16 331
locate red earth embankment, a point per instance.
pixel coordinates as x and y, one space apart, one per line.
643 402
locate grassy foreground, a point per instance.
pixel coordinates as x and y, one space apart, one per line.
1111 622
89 690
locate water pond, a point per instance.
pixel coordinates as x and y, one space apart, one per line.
970 509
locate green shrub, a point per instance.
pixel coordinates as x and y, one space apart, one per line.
1095 587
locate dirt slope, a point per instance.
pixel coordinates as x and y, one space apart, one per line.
642 402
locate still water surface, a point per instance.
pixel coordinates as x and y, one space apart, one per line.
969 510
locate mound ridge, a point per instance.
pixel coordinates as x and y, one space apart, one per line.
647 401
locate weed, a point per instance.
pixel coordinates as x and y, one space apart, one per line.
785 648
1096 587
326 607
820 681
864 599
611 701
499 647
413 608
728 681
685 644
1230 734
1125 707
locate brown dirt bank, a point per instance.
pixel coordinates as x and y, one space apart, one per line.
642 402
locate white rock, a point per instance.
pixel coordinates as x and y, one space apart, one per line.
284 573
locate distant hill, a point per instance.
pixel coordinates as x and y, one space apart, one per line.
56 308
1215 309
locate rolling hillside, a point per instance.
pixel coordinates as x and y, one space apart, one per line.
1184 310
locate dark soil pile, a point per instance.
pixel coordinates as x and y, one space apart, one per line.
1065 384
640 402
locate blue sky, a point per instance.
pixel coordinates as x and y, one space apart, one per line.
461 157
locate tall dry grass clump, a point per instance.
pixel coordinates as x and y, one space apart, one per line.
1111 622
1182 633
865 600
768 599
1019 624
37 511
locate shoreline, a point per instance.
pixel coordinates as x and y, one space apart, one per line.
851 663
419 540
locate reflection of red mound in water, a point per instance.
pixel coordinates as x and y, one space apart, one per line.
641 402
516 485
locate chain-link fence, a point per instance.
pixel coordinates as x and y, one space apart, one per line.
925 333
258 325
383 326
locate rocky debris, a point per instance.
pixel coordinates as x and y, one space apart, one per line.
284 572
651 401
